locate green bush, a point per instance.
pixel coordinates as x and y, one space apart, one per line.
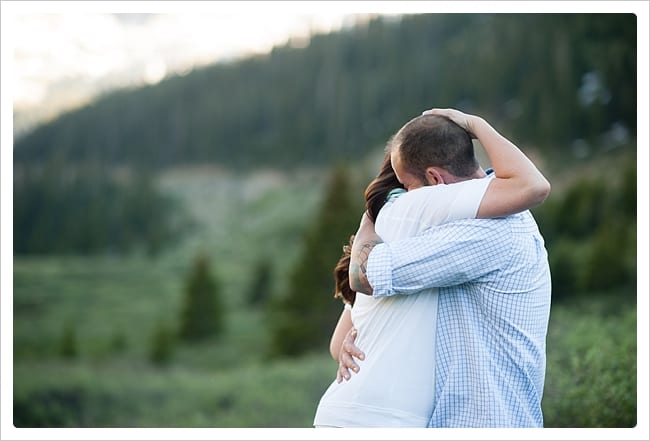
564 269
582 209
591 367
590 233
118 343
606 266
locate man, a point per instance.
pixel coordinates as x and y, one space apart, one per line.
494 285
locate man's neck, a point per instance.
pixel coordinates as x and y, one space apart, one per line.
478 174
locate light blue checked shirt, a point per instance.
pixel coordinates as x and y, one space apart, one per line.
493 311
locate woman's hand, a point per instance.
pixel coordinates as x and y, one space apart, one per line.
464 120
346 354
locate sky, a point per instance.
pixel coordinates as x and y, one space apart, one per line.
64 58
65 53
62 54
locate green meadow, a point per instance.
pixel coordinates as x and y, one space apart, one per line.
84 327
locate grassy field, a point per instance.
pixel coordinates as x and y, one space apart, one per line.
110 306
133 394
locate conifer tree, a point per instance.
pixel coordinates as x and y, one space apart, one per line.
260 288
162 345
304 319
202 314
68 346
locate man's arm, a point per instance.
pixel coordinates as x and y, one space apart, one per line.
519 184
364 241
445 255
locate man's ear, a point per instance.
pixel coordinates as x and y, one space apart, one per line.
433 176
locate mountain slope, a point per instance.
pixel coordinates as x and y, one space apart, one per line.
572 79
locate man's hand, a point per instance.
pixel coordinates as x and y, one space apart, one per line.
346 354
464 120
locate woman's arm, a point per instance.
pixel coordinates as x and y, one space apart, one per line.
342 327
519 185
364 241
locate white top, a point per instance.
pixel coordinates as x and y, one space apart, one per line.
395 385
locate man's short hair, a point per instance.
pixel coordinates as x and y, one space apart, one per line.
434 141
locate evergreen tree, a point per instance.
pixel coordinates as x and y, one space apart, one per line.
91 211
68 347
202 314
260 288
118 343
304 319
162 345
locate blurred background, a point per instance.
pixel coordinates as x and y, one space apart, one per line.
183 184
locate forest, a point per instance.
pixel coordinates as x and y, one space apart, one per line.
571 81
174 243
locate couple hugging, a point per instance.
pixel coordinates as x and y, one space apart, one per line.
446 287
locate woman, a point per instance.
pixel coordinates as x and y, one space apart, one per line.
402 328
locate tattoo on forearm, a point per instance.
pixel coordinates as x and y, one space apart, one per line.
359 267
364 252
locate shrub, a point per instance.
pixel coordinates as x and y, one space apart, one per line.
591 366
118 343
564 269
581 209
590 233
605 266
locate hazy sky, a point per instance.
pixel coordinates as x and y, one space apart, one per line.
53 49
64 55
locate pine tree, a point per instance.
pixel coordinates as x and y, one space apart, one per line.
162 345
202 314
68 346
260 288
304 319
118 342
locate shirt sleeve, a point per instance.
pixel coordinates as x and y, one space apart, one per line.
447 255
413 212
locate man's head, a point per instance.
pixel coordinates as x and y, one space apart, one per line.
430 150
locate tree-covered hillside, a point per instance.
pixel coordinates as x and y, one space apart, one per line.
556 81
122 244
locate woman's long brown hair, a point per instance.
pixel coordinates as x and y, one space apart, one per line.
376 192
375 195
341 279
